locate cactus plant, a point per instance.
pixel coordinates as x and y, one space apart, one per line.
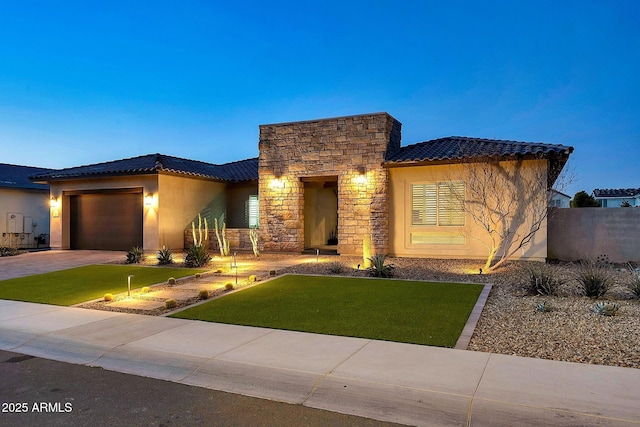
253 236
221 235
203 294
170 303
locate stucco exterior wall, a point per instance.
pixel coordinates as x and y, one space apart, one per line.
32 204
349 150
237 196
587 233
470 239
180 201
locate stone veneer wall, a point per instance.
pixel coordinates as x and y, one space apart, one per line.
350 148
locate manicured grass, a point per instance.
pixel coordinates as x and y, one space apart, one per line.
76 285
393 310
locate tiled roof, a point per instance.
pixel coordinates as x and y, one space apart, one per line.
460 148
244 170
14 176
616 192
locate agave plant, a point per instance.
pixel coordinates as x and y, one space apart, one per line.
165 256
543 307
197 256
134 255
606 308
379 268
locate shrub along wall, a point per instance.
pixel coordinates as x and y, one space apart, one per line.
586 233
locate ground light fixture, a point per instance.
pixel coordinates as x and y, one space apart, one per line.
129 285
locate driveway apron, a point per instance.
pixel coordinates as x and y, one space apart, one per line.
46 261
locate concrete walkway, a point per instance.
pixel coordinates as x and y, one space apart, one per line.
408 384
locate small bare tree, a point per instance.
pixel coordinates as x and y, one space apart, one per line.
508 200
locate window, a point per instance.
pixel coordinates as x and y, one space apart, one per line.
437 204
252 211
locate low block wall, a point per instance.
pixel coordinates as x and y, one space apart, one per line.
586 233
238 240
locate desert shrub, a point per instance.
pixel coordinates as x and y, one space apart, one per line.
228 286
606 308
134 255
203 294
252 278
108 297
165 256
335 267
197 256
171 281
379 268
272 272
595 278
170 303
542 279
145 290
5 251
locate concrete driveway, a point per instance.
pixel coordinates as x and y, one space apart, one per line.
46 261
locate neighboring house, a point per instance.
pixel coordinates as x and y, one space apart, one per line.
614 198
332 182
24 208
559 200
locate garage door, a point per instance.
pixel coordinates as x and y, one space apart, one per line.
105 221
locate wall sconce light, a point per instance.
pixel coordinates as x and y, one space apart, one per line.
277 183
148 200
53 202
361 178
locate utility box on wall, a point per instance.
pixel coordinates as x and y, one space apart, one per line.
28 225
15 223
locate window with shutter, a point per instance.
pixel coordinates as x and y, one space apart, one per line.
437 204
252 211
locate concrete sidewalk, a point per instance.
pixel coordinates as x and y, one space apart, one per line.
408 384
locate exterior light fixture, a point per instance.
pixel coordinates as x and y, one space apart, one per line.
53 202
148 200
361 178
277 183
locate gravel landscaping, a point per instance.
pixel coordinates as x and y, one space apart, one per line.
510 323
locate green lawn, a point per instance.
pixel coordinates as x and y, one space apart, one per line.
392 310
68 287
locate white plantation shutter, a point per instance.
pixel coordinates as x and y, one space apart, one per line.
437 204
450 197
253 211
423 203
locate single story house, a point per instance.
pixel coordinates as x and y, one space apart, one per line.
339 182
615 198
24 207
559 199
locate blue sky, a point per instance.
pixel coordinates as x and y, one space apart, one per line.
87 82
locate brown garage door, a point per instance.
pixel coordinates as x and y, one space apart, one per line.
106 221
